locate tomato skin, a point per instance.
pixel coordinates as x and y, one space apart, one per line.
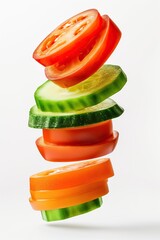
71 197
68 37
85 135
85 172
67 153
77 70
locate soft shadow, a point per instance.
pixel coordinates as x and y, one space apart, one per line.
148 228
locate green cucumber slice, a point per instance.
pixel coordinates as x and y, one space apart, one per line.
63 213
105 110
108 80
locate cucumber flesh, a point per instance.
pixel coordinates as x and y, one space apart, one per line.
63 213
103 111
108 80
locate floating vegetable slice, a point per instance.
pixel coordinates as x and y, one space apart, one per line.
69 37
71 70
63 213
63 195
108 80
100 189
72 175
85 135
67 153
103 111
53 199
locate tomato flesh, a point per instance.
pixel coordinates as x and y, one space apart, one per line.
76 68
85 135
68 37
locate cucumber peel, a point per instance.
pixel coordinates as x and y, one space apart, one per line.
108 80
63 213
103 111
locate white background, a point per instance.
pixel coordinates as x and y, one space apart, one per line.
131 210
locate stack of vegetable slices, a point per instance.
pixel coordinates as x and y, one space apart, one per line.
74 110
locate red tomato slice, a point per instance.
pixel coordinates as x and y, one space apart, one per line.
70 197
68 37
73 69
67 153
85 135
72 175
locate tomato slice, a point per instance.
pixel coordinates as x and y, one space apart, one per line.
48 200
71 70
67 153
72 175
85 135
68 37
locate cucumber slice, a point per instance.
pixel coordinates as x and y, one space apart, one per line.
63 213
108 80
105 110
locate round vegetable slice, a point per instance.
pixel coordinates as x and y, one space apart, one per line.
105 82
72 70
103 111
85 135
67 153
63 213
62 195
72 175
69 37
54 203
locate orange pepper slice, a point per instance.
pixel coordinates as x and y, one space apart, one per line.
54 199
72 175
66 192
